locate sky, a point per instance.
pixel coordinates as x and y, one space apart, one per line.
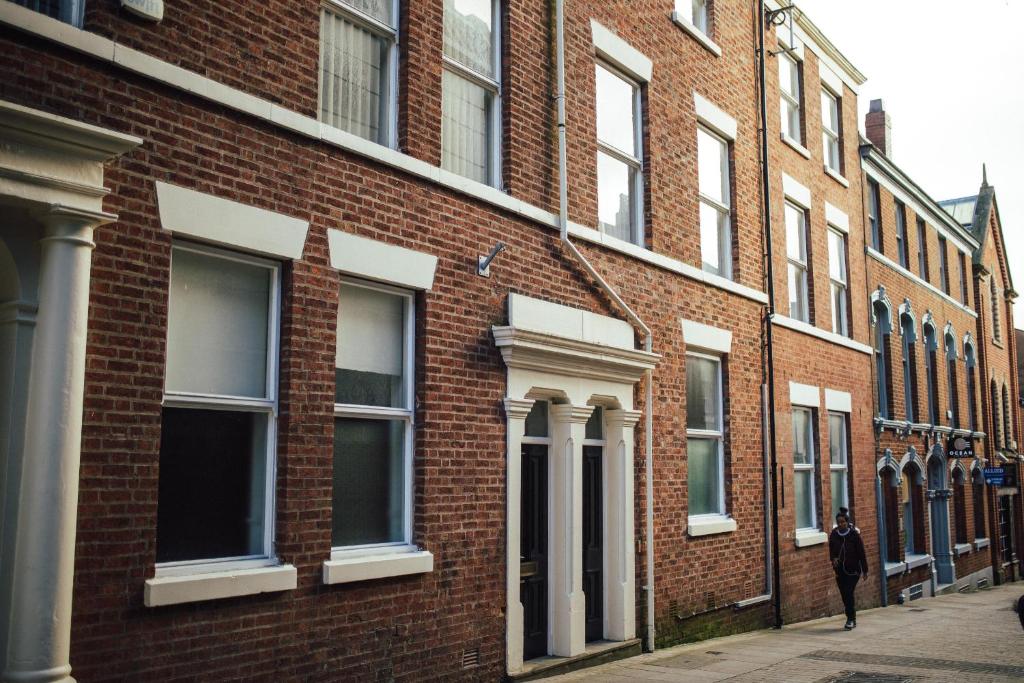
951 75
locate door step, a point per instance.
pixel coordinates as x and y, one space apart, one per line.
597 652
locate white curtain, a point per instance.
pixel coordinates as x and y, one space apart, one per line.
464 130
353 62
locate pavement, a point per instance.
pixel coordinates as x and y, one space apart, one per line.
965 638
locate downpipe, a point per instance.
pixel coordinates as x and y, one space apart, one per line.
563 222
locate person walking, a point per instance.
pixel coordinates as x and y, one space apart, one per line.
850 562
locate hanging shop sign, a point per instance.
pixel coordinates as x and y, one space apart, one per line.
993 476
959 447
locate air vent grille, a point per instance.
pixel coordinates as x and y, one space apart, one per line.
471 658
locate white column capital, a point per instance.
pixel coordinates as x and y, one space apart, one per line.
66 223
518 408
564 412
625 419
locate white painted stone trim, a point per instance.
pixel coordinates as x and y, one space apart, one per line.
831 337
230 223
837 218
804 395
830 79
705 337
836 176
705 526
536 315
795 191
347 570
804 539
894 568
962 548
620 53
885 260
980 543
915 561
822 51
795 144
101 48
797 43
174 590
695 33
713 117
375 260
838 401
666 263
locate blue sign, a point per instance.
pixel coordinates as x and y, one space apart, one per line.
994 476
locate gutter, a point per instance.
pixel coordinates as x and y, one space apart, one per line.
563 222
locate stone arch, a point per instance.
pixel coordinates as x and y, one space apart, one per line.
911 457
881 310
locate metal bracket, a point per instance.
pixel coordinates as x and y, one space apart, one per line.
483 263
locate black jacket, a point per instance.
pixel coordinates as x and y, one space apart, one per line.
849 550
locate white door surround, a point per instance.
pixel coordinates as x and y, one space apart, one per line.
576 360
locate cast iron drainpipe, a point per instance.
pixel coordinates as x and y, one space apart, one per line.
563 222
769 313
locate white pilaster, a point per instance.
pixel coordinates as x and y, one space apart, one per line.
39 643
516 411
567 606
619 552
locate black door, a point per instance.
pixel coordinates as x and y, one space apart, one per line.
593 545
533 551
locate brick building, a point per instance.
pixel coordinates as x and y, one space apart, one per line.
267 416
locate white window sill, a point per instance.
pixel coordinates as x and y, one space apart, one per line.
808 537
175 590
894 568
697 34
915 561
801 150
837 176
342 568
710 524
980 543
962 548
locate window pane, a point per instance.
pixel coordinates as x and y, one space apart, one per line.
711 172
465 131
700 14
370 355
839 318
595 424
217 321
715 248
802 491
615 182
837 439
369 482
467 34
537 419
703 476
838 491
378 9
615 101
836 256
796 247
798 293
353 80
801 449
212 491
789 76
703 402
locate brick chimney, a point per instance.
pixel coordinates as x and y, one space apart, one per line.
879 127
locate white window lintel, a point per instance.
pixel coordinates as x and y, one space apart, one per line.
838 401
837 218
804 395
796 192
701 336
374 260
714 117
830 79
620 53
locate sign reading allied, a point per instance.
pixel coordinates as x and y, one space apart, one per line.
959 447
1001 476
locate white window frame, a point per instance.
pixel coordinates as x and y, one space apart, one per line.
389 96
840 318
931 372
724 240
791 100
697 13
811 467
802 266
970 384
267 406
634 162
406 415
831 140
712 435
493 85
844 467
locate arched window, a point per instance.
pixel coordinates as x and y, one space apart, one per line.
997 331
997 422
960 505
978 504
1007 422
913 510
972 401
883 326
909 337
952 388
890 499
931 374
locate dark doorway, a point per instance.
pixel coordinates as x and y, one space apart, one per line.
593 543
533 550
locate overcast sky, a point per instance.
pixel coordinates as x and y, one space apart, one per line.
952 78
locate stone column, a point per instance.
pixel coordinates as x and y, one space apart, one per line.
516 411
43 571
565 550
619 547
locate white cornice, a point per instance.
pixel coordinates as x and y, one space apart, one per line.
884 260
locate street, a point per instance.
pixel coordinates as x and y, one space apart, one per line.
963 638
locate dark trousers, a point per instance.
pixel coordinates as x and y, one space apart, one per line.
846 586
